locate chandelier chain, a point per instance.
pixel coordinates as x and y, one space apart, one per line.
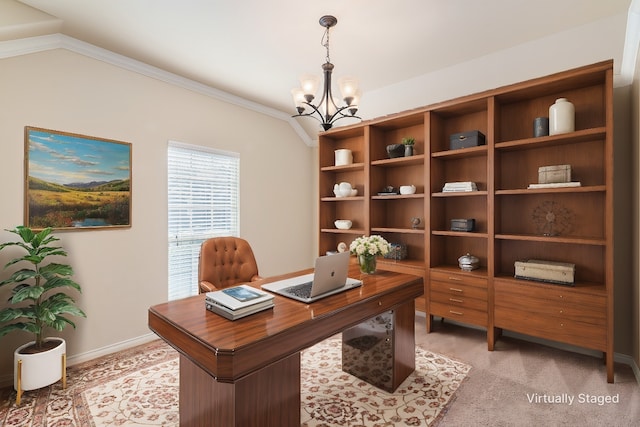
325 42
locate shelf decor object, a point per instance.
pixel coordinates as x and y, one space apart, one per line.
395 150
326 111
551 218
554 174
466 139
561 117
540 127
343 157
398 251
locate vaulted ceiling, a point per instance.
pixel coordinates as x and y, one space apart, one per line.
257 49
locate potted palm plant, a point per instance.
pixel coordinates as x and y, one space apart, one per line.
36 304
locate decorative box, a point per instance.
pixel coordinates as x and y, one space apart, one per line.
467 139
545 271
554 174
461 224
397 251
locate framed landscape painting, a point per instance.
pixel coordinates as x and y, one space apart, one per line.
76 182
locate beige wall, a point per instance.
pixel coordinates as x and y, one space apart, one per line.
123 272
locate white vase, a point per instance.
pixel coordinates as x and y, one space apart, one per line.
561 117
34 371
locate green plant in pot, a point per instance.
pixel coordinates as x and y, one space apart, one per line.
408 146
36 304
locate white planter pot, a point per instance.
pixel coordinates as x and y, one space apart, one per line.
40 369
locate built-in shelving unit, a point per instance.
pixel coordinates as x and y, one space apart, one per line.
512 222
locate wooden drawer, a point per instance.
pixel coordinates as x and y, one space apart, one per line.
458 295
459 301
458 277
457 290
552 327
560 314
548 301
461 314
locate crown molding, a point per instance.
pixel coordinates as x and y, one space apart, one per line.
631 44
30 45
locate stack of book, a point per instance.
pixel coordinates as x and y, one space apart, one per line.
450 187
238 301
555 185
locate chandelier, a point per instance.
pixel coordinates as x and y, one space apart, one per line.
326 111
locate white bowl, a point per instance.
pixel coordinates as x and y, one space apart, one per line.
407 189
343 224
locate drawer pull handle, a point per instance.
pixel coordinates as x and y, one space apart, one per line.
456 300
457 279
455 312
455 290
379 303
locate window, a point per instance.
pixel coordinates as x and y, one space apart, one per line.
203 192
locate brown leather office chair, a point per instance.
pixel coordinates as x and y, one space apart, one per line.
224 262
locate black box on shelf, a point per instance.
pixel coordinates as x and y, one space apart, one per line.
463 224
467 139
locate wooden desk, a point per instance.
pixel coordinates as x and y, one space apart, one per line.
247 372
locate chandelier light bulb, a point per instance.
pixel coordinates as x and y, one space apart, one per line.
348 89
298 99
353 106
309 84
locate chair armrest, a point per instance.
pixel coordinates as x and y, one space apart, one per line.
207 286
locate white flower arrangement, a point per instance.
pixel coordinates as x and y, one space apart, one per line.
372 245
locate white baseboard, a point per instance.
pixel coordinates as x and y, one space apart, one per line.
113 348
7 380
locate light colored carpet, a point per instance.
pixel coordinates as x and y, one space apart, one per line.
139 387
498 390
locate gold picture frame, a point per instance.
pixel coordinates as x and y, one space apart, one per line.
76 182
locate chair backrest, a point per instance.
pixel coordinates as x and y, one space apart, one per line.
224 262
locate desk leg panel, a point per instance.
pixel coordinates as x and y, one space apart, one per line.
269 397
381 350
404 343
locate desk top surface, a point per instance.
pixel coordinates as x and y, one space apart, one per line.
219 345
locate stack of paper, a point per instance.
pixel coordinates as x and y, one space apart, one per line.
459 186
238 301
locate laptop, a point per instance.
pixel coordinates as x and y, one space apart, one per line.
329 277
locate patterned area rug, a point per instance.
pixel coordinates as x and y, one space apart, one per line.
331 397
139 387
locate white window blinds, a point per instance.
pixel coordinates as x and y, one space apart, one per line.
203 194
